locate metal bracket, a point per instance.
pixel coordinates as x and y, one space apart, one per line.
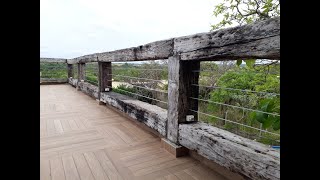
190 118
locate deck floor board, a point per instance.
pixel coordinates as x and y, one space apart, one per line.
80 139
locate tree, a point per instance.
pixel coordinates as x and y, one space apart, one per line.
210 73
252 79
240 12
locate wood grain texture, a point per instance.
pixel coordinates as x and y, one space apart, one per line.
256 40
87 58
151 51
72 61
73 82
105 77
74 146
234 152
151 115
89 89
180 90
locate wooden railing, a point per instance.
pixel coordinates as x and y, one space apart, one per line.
260 40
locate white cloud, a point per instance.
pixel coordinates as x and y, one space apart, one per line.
71 28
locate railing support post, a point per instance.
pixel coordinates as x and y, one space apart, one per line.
105 78
182 74
81 73
70 70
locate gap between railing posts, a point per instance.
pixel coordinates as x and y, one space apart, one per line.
180 88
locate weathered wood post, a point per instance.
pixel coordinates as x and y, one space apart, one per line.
181 77
105 78
81 73
70 70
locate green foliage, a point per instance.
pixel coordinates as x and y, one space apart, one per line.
92 73
276 123
92 79
145 70
134 90
267 120
210 73
53 70
249 78
239 12
165 87
239 62
250 62
140 74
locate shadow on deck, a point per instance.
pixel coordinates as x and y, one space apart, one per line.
80 139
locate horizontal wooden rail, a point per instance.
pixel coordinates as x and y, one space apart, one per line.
259 40
53 60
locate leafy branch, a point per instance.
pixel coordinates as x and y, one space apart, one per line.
239 12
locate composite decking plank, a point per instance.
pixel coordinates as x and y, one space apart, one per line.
45 173
57 170
70 168
80 139
107 165
82 167
58 126
95 166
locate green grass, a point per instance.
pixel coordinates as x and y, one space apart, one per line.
53 70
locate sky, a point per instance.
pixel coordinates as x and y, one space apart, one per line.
72 28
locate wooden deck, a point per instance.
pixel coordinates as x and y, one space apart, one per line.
80 139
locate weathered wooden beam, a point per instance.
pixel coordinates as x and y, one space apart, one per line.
180 90
151 115
53 60
70 70
87 58
238 154
259 40
105 77
72 61
118 55
256 40
89 89
152 51
73 82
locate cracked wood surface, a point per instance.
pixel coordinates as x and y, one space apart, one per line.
259 40
234 152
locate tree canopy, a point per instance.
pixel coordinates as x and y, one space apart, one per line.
240 12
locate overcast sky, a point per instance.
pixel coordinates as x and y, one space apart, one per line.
72 28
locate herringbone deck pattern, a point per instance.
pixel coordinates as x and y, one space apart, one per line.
80 139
